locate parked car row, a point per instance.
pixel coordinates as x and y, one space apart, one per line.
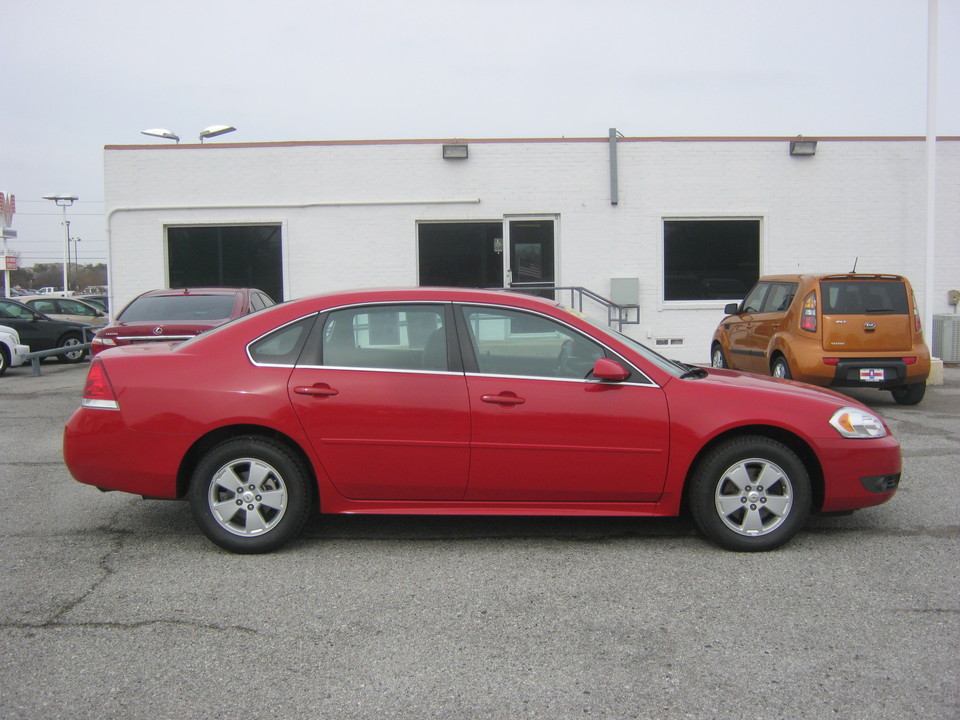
40 332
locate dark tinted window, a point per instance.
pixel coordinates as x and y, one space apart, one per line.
864 297
185 308
710 259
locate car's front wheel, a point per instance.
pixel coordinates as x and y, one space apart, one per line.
750 493
909 394
717 358
250 494
4 360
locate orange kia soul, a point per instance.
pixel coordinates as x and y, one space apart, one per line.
850 330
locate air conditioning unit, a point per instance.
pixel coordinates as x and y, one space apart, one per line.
946 338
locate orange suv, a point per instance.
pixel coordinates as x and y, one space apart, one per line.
849 330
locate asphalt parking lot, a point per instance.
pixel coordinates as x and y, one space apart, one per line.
117 607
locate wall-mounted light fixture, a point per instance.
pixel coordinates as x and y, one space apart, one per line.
456 152
215 130
801 147
161 133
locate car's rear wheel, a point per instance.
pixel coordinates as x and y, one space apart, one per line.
909 394
4 360
717 358
250 494
74 356
750 493
781 368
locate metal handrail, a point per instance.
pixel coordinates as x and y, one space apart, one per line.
617 315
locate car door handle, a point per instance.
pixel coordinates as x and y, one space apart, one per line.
318 390
503 399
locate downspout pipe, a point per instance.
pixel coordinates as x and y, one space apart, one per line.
614 186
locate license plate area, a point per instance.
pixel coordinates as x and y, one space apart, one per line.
872 375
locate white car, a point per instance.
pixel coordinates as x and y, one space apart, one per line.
11 351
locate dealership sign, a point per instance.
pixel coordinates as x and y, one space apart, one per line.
8 206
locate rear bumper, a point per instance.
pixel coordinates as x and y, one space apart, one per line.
882 373
99 450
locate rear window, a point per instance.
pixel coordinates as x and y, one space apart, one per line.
873 297
185 308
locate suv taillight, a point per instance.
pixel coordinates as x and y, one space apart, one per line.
916 315
808 316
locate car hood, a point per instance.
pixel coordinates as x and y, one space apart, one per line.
764 383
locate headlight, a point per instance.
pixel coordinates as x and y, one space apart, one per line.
856 423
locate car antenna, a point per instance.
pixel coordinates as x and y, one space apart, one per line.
855 261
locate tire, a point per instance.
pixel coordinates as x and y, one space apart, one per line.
781 368
717 358
250 494
4 359
750 494
71 340
909 394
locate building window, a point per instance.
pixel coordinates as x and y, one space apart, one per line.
710 259
226 256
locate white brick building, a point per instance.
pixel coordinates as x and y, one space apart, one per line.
689 222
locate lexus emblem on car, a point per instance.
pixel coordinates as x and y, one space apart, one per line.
158 330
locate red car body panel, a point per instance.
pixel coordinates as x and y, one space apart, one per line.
453 442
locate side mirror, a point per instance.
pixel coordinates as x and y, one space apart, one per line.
607 369
731 308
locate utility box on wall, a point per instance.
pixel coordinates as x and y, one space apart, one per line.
625 291
946 338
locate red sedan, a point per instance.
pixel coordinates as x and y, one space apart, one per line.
445 401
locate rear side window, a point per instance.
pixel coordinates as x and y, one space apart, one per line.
864 297
282 346
186 308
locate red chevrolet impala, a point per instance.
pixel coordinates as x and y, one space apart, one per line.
447 401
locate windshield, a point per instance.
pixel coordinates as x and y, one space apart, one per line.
179 308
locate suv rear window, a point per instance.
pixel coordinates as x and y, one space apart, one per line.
180 307
870 297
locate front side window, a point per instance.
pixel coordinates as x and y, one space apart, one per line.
509 342
710 259
753 302
75 308
388 337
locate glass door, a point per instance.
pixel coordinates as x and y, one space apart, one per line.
530 260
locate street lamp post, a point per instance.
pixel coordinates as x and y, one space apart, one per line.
64 201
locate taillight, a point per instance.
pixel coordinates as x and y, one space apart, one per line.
831 361
98 392
808 316
909 361
916 317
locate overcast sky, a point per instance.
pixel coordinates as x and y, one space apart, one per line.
78 75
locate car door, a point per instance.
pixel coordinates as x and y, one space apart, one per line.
380 393
542 429
768 322
740 330
33 330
